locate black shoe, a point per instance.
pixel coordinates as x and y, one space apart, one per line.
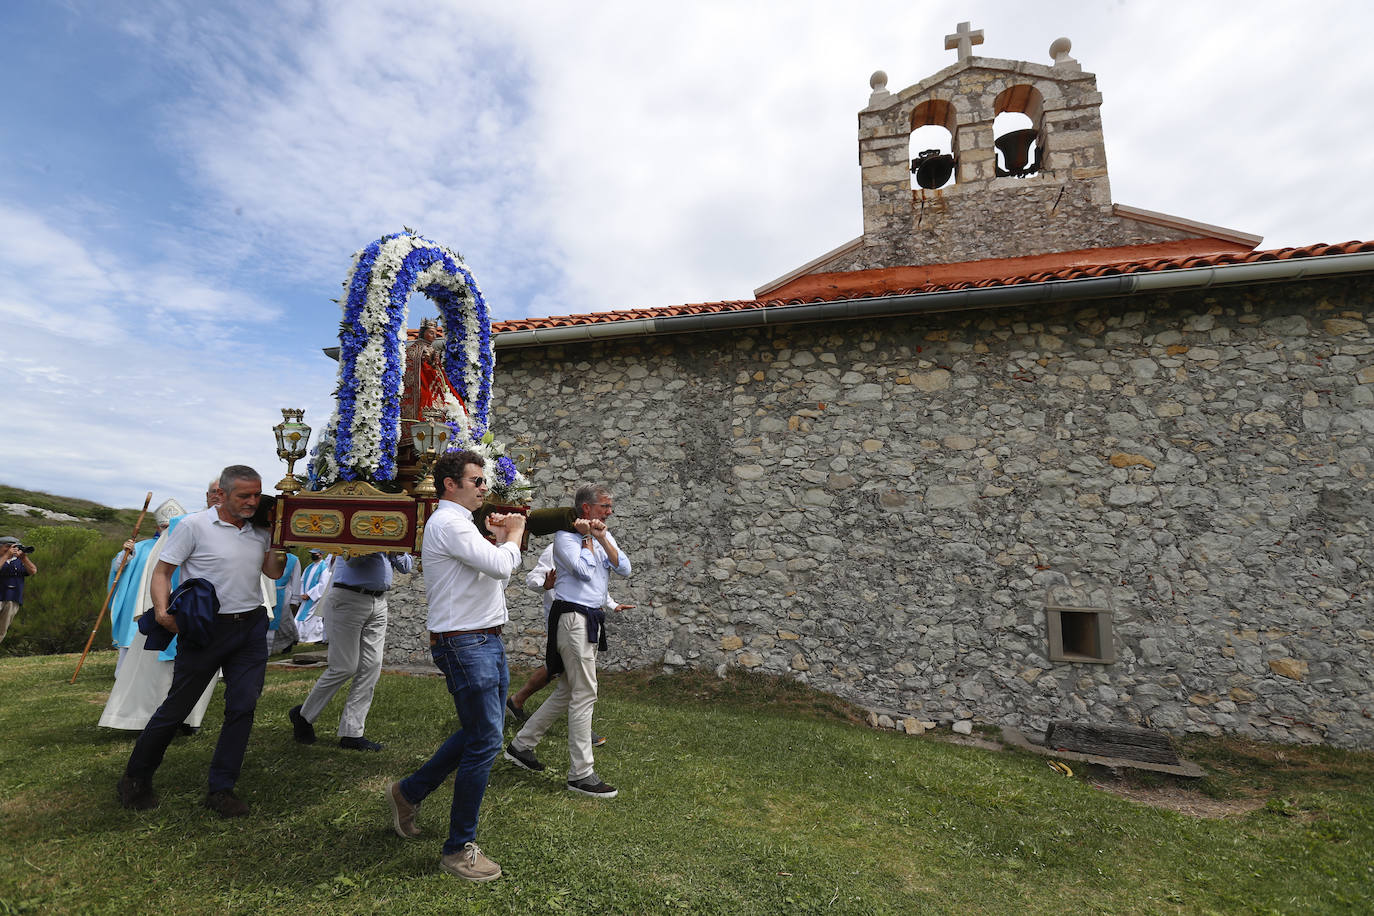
187 730
225 803
135 794
523 759
305 732
517 711
360 744
592 785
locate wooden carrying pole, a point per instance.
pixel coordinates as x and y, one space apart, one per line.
113 585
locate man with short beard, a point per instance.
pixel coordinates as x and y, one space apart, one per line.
222 547
583 561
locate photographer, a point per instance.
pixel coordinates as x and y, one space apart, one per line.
15 568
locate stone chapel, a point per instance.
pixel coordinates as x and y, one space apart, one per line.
1017 454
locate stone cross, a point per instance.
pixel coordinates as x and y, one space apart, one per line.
964 40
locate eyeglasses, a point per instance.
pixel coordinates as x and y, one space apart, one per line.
475 481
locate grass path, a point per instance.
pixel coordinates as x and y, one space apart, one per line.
744 795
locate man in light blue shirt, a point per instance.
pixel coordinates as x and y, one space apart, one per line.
583 561
357 635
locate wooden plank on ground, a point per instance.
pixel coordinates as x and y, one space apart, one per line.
1112 741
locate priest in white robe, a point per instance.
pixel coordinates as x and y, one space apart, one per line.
124 603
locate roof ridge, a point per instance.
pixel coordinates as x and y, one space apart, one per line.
889 281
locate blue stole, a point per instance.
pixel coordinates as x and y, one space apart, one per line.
170 653
283 586
124 609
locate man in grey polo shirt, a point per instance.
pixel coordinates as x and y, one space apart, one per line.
221 546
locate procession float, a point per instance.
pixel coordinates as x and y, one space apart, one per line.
400 404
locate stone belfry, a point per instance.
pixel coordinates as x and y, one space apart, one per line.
1031 191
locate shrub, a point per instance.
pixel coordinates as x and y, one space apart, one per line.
61 602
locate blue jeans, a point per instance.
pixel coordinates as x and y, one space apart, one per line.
239 649
475 668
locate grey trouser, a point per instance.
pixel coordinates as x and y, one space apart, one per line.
357 633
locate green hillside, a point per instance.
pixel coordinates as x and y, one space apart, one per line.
102 519
73 559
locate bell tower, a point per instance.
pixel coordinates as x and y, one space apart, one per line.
1026 191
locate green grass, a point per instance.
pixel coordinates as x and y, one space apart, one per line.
744 795
62 603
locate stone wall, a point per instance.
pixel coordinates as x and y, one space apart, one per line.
879 508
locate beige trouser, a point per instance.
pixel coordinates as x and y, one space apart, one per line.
575 694
7 611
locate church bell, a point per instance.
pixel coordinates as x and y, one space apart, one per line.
1015 149
933 168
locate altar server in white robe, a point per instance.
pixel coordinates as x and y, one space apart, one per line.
281 625
314 585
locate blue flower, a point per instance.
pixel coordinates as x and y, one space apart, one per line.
352 339
361 399
505 470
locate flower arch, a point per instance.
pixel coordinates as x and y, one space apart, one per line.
362 436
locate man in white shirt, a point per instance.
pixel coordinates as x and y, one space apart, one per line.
583 561
221 546
465 585
541 579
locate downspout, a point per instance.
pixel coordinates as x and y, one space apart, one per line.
996 297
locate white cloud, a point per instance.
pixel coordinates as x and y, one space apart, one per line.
582 157
131 378
622 154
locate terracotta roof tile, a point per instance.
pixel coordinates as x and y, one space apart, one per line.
877 283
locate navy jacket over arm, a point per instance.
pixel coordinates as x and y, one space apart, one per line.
195 605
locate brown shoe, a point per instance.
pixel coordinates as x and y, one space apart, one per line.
225 803
402 813
135 794
469 864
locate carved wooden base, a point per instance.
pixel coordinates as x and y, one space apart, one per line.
351 518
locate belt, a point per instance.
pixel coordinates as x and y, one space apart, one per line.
370 592
242 616
434 638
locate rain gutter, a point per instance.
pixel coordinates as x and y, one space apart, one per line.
995 297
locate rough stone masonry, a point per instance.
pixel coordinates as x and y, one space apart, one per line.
879 508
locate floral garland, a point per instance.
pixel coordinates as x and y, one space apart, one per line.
361 438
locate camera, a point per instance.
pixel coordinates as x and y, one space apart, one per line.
26 548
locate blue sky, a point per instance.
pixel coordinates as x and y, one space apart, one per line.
185 182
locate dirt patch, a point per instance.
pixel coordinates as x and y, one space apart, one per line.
1184 801
986 744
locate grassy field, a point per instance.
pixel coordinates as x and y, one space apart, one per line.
743 795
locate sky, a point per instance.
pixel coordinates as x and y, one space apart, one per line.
185 183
